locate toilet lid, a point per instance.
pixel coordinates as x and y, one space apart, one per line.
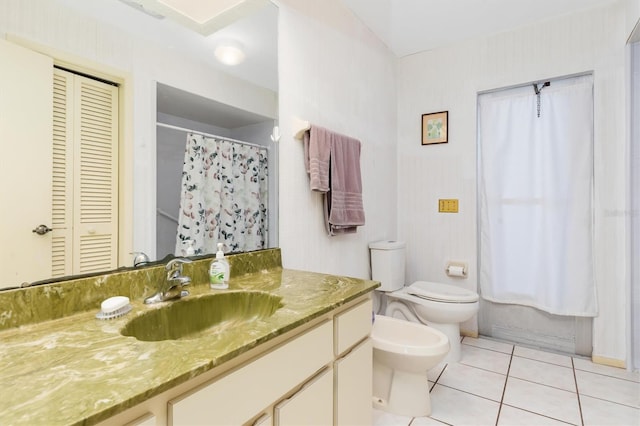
442 292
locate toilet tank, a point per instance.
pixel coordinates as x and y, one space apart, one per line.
387 264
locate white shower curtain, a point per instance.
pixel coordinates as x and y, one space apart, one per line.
535 194
223 196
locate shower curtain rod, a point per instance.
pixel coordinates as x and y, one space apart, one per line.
551 80
184 129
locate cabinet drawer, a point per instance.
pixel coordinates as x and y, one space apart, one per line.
237 397
352 326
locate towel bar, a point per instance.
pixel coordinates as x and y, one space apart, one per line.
299 127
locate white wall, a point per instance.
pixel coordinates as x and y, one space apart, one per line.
258 133
449 79
54 25
633 15
336 74
634 206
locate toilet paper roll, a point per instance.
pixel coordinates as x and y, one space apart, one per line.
455 271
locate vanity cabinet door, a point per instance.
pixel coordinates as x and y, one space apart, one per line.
238 397
353 386
353 368
311 405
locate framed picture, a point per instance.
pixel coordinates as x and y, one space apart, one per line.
435 128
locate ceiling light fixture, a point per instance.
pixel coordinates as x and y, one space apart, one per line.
230 52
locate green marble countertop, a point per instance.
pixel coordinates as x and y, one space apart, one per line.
81 370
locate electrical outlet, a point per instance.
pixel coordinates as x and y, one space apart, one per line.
448 205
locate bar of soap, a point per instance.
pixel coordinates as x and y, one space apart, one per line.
112 304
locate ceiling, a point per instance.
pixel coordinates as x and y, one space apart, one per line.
193 107
256 28
405 26
412 26
254 25
205 17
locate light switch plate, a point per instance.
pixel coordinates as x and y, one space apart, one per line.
449 205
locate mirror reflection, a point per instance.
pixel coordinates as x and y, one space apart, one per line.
142 56
219 189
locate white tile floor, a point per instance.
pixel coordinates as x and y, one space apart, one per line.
498 383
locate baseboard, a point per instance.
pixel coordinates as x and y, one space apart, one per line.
612 362
537 339
467 333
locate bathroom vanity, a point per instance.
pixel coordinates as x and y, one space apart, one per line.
308 360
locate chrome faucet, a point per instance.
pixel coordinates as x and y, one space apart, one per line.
172 287
139 259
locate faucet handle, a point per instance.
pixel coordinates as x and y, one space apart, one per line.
174 267
177 263
171 288
139 259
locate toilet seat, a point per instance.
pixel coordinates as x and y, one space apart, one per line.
441 292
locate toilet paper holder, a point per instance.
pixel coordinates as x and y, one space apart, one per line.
456 269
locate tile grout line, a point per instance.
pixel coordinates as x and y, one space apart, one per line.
506 379
485 369
430 389
541 415
610 402
547 362
490 349
611 376
575 380
439 375
469 393
545 385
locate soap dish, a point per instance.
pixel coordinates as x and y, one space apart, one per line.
114 307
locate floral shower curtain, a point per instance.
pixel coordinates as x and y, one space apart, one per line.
224 196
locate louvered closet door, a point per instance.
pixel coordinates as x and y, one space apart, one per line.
85 174
95 170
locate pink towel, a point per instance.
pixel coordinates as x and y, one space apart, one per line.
317 150
343 209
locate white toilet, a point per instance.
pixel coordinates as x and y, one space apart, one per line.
402 353
441 306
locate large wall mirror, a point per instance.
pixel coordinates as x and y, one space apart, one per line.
183 117
145 43
230 132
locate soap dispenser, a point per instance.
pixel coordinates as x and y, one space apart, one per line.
219 271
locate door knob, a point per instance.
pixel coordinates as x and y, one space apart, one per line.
42 229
